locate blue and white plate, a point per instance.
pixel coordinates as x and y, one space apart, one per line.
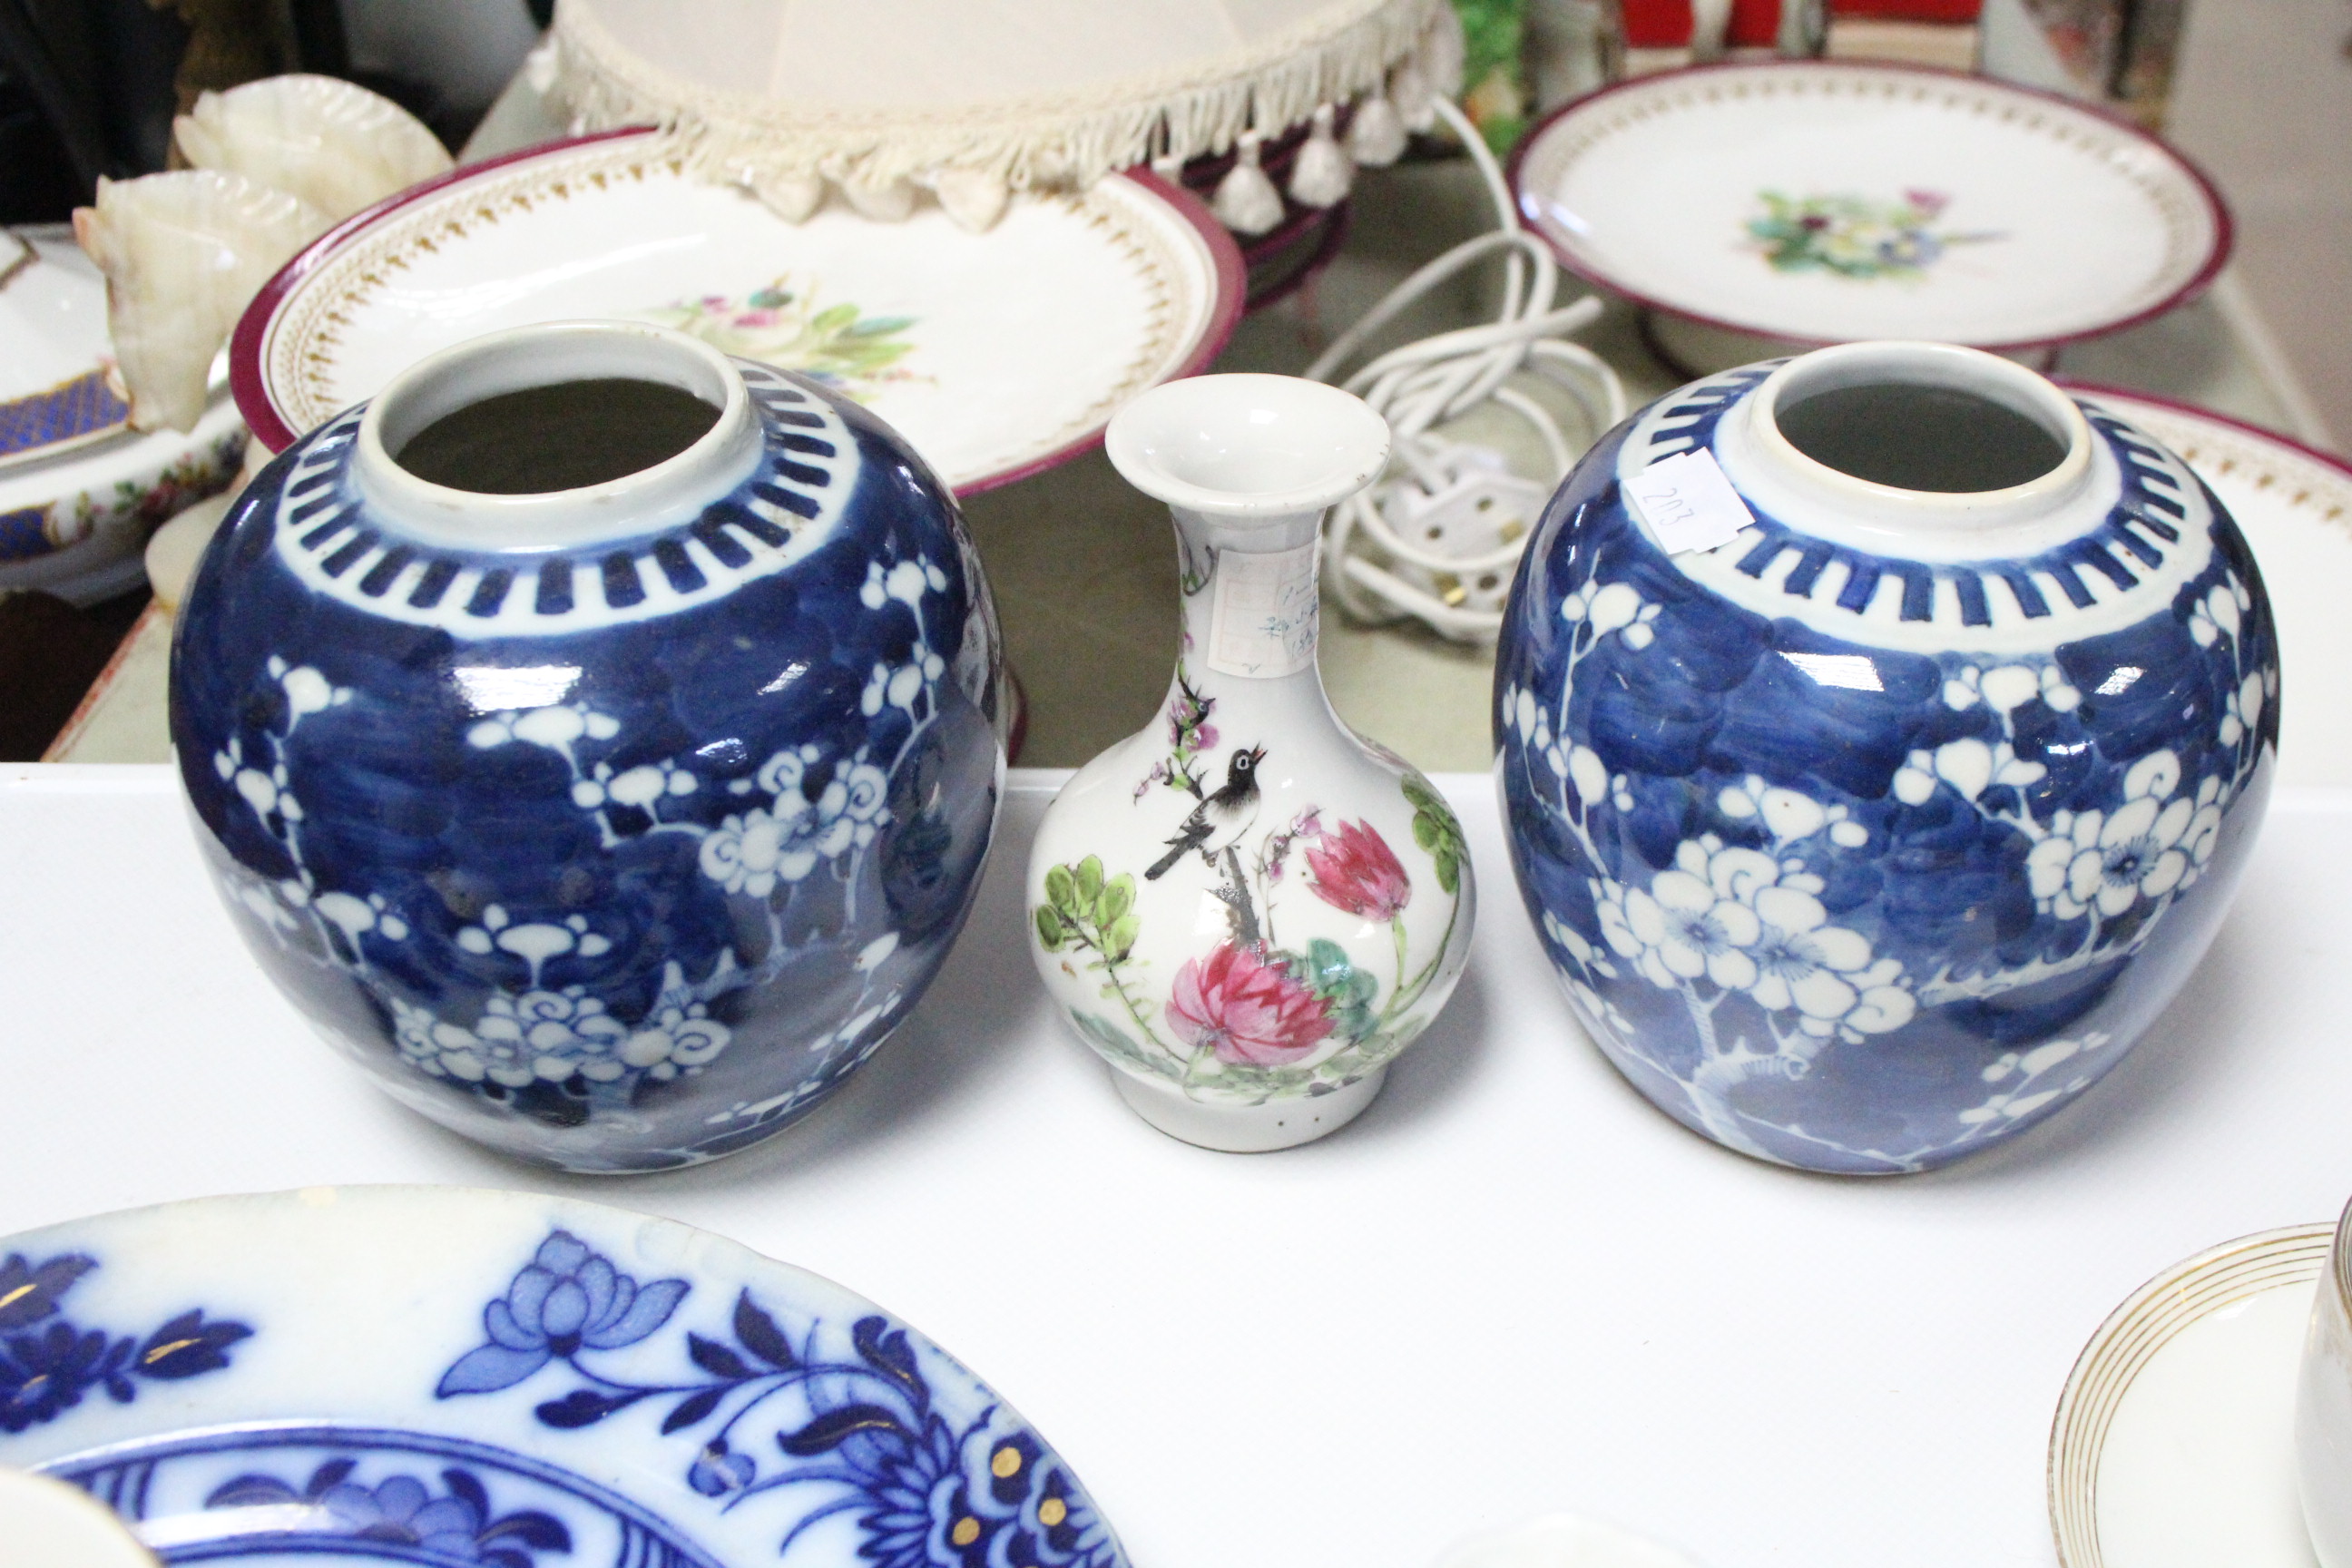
445 1376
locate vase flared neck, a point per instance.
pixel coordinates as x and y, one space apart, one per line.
1248 465
1256 448
1250 591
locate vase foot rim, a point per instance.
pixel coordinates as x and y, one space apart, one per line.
1281 1123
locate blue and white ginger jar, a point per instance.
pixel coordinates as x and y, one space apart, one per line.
611 826
1880 833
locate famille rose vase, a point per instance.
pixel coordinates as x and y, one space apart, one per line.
1246 907
1878 833
609 823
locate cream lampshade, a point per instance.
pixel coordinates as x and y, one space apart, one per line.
972 99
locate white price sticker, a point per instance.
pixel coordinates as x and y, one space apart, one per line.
1263 623
1689 503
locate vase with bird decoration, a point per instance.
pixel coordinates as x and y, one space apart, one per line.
1246 907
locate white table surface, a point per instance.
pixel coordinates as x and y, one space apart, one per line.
1511 1287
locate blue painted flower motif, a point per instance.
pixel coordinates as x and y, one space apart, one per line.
47 1364
29 1293
401 1510
716 1471
926 1490
46 1372
552 1034
677 1038
566 1299
988 1499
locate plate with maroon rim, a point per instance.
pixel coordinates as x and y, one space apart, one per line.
998 354
1818 201
2294 503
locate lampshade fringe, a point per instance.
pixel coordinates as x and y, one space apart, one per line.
881 159
1246 200
1323 173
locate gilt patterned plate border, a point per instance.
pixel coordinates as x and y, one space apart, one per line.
56 395
2294 504
997 355
1982 213
446 1376
2282 474
2124 1445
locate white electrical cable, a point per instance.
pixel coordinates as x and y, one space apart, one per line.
1426 384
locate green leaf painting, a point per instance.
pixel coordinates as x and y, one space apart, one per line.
1083 910
1437 831
1346 990
1115 1043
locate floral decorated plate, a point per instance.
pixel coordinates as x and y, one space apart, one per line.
446 1376
997 354
55 391
1820 201
2296 506
79 489
2174 1443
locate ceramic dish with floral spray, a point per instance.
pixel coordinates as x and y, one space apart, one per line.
1798 203
997 354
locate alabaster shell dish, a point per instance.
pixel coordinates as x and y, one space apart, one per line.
79 489
996 354
439 1375
58 1525
182 253
323 140
1817 202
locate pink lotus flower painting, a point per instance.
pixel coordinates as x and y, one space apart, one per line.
1245 1009
1262 992
1353 868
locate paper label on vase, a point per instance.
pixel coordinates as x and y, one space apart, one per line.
1689 503
1263 618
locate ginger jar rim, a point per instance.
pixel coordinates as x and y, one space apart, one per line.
543 354
1763 462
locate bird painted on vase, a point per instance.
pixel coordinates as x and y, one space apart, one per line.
1219 821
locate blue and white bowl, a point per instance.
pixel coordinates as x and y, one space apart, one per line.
1880 833
612 826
